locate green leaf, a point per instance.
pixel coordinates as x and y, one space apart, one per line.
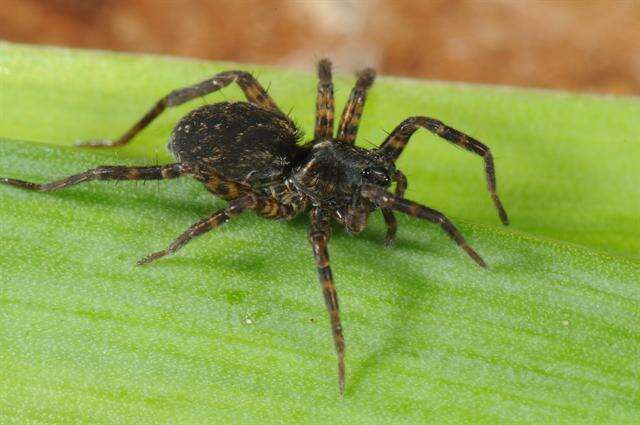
233 327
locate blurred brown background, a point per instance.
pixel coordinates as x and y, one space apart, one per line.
576 45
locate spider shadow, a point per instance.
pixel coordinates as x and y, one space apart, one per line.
376 231
145 201
411 296
255 265
375 235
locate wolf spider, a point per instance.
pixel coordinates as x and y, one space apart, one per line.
249 153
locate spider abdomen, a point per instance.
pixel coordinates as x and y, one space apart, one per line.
241 141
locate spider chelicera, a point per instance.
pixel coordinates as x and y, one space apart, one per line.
250 154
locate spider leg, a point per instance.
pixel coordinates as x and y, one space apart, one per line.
206 224
401 183
350 120
387 200
252 89
392 226
319 237
273 209
387 213
110 172
396 141
324 102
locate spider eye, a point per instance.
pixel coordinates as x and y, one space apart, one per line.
376 175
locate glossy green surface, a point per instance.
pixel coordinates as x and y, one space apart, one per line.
233 328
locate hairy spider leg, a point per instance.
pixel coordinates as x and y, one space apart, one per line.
226 189
110 172
387 213
392 226
253 91
263 206
393 146
350 120
216 219
319 235
273 209
325 105
401 183
387 200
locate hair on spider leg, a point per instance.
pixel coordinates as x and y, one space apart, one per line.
370 143
385 131
249 153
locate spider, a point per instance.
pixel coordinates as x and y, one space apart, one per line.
251 155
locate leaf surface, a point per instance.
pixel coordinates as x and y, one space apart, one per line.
233 327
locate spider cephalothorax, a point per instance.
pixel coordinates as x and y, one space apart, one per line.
250 154
332 176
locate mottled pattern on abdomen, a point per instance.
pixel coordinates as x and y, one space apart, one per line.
240 141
